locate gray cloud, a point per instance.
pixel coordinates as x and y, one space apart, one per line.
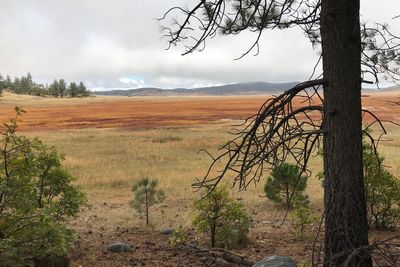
117 44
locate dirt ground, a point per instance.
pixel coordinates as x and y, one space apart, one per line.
151 248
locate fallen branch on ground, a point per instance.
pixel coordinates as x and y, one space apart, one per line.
215 254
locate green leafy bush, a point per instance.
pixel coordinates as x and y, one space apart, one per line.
382 191
223 218
285 184
179 237
145 196
36 198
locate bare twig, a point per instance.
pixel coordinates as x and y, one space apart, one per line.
215 253
280 131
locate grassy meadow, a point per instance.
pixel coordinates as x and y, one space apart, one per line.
107 162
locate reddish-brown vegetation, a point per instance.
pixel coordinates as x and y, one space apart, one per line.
149 112
134 112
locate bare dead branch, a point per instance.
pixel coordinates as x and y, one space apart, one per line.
219 16
384 253
215 253
285 128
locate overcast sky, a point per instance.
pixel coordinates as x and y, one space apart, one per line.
117 44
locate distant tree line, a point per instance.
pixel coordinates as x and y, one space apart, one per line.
58 88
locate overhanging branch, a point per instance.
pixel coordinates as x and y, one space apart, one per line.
287 127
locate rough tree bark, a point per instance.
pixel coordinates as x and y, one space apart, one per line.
346 225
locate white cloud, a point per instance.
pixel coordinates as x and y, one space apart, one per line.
101 42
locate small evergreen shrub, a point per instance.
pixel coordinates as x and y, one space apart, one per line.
146 195
285 184
220 216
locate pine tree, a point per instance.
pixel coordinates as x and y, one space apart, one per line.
54 88
286 184
62 88
82 90
26 84
145 196
29 78
16 87
8 83
73 90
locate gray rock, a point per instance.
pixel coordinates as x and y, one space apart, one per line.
275 261
119 247
167 231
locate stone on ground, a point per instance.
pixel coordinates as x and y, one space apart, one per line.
275 261
119 247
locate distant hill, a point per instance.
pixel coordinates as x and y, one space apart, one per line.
391 88
253 88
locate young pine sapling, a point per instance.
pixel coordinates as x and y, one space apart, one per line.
146 195
285 184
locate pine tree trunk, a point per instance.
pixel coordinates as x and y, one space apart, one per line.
346 222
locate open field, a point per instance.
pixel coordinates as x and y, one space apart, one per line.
150 112
127 112
111 142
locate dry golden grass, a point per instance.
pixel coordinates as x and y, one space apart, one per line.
107 162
